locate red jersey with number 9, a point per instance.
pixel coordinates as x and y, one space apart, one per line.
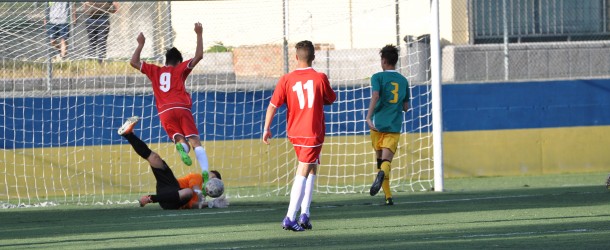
305 92
168 85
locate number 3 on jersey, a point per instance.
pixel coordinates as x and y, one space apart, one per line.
394 93
299 87
165 82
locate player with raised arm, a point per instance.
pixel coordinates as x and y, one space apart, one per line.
389 99
305 92
172 193
173 101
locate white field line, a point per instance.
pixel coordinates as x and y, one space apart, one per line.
204 213
579 230
335 206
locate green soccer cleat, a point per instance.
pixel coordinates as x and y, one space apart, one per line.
185 157
205 176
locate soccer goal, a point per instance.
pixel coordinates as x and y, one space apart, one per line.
61 109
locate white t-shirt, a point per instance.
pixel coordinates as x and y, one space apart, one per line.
59 12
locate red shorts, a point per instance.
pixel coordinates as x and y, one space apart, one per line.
178 121
308 154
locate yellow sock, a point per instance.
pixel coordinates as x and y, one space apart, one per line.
385 166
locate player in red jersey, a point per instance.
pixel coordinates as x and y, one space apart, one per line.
173 102
305 92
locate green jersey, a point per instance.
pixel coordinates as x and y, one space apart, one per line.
393 90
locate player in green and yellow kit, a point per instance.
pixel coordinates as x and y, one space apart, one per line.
389 98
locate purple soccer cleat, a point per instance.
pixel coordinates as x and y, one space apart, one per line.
304 222
287 224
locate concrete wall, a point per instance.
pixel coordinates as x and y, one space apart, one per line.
466 63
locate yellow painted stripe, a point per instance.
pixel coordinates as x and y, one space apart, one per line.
108 170
346 161
527 151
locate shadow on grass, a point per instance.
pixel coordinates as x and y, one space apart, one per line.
571 235
590 235
247 217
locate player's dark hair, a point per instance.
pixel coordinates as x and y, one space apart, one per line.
305 51
390 54
217 174
173 56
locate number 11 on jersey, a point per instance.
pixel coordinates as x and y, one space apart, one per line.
299 87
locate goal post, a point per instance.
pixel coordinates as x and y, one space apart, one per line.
60 115
437 104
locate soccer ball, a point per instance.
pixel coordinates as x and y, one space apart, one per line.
215 187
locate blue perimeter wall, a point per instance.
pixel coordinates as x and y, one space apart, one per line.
525 105
93 120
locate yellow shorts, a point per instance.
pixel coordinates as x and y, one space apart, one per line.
385 140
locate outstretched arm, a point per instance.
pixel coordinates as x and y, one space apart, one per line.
369 114
114 8
135 58
199 49
268 118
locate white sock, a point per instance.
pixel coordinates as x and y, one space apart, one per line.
296 196
202 158
186 147
307 194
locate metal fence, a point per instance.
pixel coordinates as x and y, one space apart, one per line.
520 40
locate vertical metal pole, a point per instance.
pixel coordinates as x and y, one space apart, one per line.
71 9
50 50
604 16
310 26
284 12
437 107
505 24
471 24
398 64
170 33
328 61
351 30
157 33
49 67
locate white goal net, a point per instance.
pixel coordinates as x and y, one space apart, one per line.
60 112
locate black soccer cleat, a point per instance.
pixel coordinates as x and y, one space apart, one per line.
608 182
377 183
389 201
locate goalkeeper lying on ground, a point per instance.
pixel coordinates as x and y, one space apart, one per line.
172 193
